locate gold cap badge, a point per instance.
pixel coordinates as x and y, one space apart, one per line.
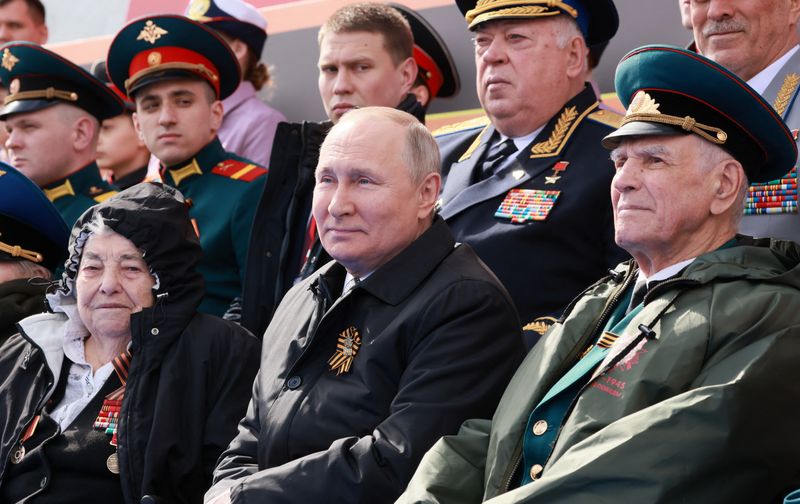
151 32
9 60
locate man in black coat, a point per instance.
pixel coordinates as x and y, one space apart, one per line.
365 59
376 355
527 187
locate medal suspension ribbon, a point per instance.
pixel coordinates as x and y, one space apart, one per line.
108 417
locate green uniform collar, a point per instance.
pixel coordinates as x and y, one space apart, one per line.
202 162
84 181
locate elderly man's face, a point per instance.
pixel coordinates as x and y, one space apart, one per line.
356 70
685 7
745 36
16 23
367 207
660 193
113 281
522 73
177 118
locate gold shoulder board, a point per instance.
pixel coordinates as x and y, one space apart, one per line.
607 117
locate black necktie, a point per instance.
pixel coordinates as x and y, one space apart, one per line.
638 297
496 154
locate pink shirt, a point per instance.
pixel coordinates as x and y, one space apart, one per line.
248 127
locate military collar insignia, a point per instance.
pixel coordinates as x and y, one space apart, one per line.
60 191
346 350
2 172
789 86
540 325
9 60
151 32
563 129
181 173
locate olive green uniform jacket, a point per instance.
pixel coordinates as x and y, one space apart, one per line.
703 409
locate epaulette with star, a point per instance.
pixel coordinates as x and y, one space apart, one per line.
477 122
239 170
607 117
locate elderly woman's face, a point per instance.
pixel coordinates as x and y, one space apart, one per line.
113 281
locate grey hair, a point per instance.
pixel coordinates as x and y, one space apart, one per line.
420 152
569 29
712 155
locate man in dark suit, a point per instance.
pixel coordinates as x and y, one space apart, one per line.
527 186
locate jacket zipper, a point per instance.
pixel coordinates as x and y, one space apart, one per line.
603 316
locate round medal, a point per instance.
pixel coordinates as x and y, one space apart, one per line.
113 463
18 455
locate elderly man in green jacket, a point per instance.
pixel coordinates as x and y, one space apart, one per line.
675 378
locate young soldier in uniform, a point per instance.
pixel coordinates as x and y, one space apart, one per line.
177 71
249 124
52 114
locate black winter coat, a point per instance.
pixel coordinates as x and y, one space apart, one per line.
280 226
439 341
190 374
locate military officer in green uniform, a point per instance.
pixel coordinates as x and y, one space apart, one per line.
177 72
674 378
52 113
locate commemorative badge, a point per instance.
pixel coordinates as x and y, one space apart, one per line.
346 350
19 453
523 205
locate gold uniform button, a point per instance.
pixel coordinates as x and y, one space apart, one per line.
536 470
539 428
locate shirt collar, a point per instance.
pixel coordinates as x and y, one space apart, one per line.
662 274
523 141
762 79
350 281
242 93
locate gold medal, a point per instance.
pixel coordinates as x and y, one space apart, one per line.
113 463
18 455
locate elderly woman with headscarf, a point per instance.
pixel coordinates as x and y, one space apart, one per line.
123 392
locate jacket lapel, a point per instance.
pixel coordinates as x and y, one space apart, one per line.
460 174
540 155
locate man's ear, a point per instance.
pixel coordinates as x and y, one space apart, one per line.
137 127
84 132
728 181
428 193
408 75
217 112
577 57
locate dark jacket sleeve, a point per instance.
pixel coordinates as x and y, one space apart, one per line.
230 382
456 368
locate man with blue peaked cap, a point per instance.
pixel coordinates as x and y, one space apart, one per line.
52 114
673 378
527 185
176 71
33 243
